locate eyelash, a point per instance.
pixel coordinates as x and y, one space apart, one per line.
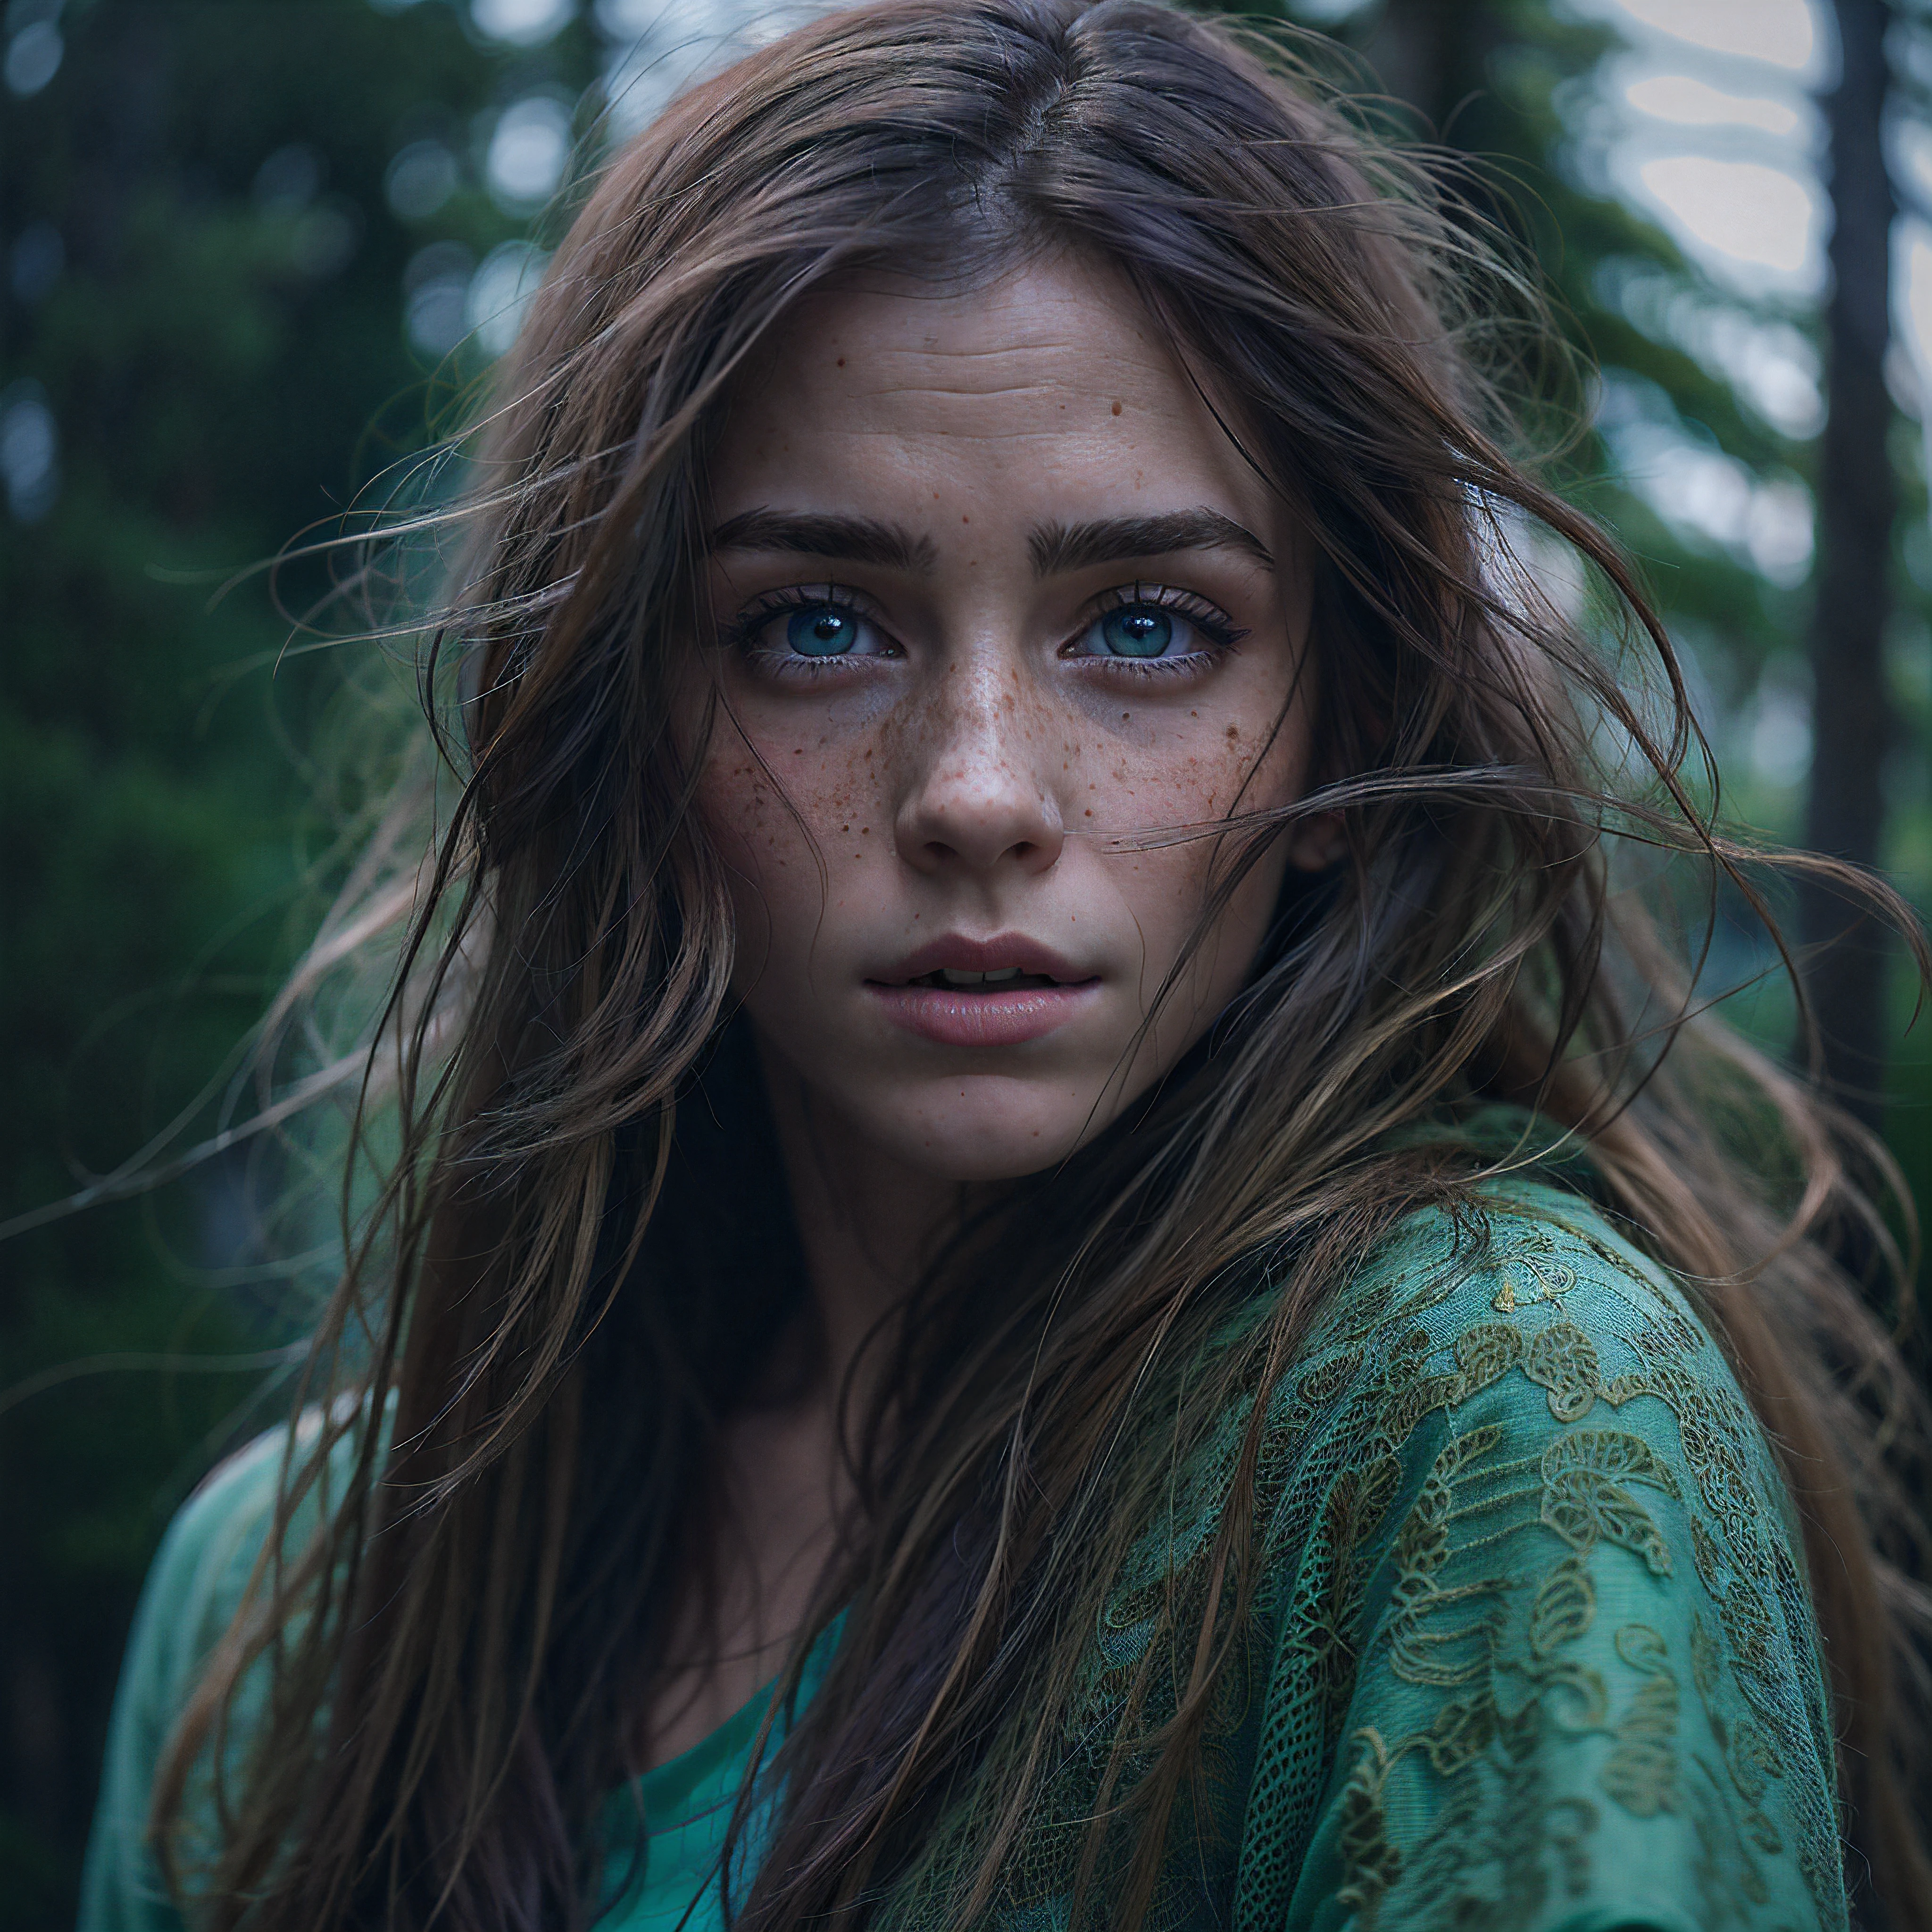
742 634
1220 631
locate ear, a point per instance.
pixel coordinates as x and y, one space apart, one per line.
1317 843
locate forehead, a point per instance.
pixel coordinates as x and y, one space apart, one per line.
1049 378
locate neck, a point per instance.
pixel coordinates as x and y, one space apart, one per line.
869 1223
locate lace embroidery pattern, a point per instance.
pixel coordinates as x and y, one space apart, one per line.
1529 1590
1493 1603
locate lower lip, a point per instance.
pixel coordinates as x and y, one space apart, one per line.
953 1019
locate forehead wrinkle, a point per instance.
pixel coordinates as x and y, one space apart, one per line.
939 369
965 389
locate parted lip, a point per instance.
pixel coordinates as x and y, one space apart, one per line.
963 955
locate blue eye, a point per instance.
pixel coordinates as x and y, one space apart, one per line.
1137 630
1151 627
823 630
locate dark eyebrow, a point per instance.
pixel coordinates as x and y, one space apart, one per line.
1061 546
848 539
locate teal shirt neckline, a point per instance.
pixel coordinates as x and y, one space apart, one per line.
668 1788
687 1803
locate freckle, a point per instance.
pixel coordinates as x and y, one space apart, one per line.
841 361
1117 408
965 520
1090 811
1234 734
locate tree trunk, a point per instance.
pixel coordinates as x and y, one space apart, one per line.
1852 723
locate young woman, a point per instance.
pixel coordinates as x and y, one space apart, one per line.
1061 1255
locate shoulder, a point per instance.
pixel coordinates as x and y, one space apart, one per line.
195 1588
1539 1587
202 1570
1527 1294
1522 1332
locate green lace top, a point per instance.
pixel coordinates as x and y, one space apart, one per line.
1535 1649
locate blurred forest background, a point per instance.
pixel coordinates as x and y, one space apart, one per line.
254 250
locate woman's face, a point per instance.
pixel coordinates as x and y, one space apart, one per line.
994 589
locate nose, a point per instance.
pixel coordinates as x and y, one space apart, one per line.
975 801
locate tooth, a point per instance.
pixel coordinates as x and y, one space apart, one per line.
955 976
1002 972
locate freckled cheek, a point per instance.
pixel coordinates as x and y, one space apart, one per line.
734 806
1201 775
1197 776
782 805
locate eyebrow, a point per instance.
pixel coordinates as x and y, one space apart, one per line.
1062 546
1055 548
850 539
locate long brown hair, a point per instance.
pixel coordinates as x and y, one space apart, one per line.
548 1311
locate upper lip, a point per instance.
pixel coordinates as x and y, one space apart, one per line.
983 956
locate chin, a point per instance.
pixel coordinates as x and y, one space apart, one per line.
1002 1131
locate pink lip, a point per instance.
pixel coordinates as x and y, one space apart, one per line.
956 1018
953 1016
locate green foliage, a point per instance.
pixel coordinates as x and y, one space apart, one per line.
223 352
1504 88
1505 84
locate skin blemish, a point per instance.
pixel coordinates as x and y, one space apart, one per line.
1117 408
